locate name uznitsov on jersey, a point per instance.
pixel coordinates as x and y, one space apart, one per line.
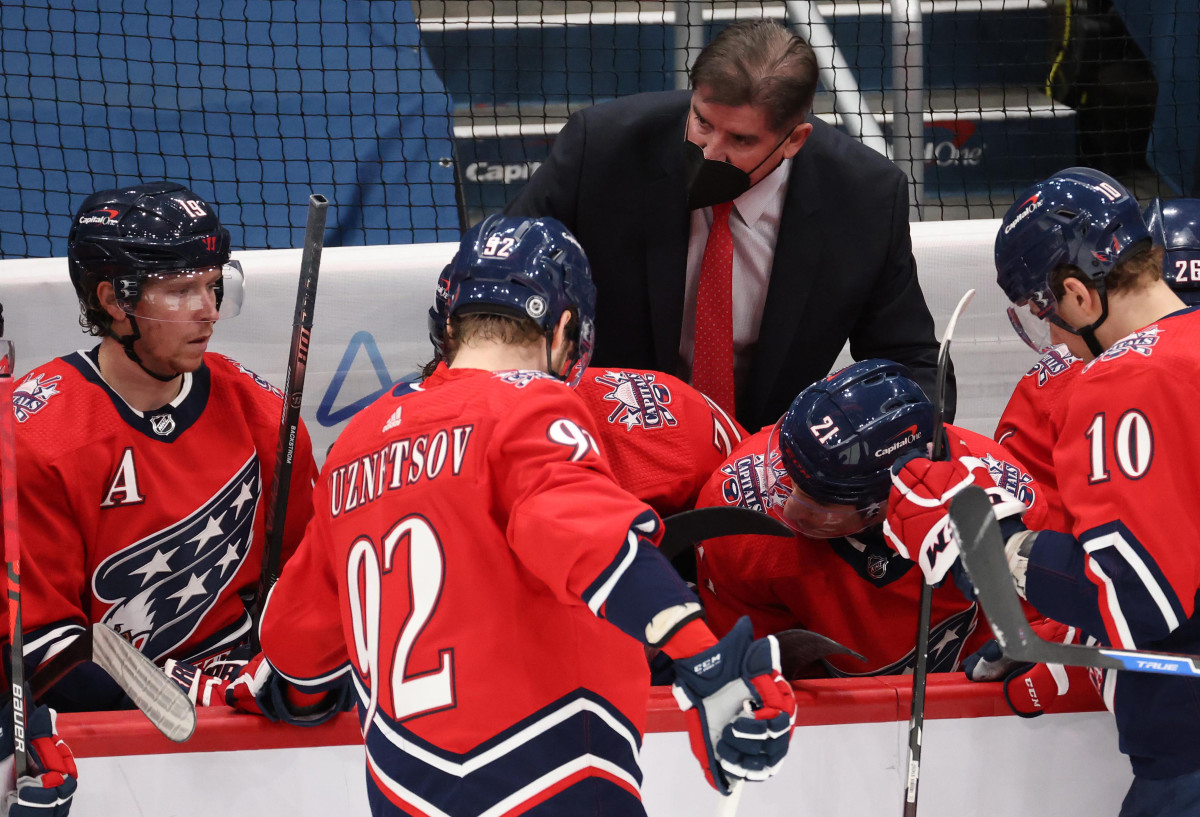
399 463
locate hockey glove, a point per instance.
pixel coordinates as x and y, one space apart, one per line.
259 690
1029 689
918 521
740 710
49 783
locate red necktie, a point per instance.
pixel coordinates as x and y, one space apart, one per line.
712 354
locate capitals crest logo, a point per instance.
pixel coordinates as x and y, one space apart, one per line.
162 586
748 484
523 377
1010 478
641 401
1142 342
1056 361
262 384
32 395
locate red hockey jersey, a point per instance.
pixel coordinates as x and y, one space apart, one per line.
1031 420
151 522
466 537
855 590
662 437
1130 575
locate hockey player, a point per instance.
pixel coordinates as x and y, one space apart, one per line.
494 588
1028 426
146 462
1076 251
823 470
662 437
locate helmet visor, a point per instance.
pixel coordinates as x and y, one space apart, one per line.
1032 322
828 520
186 296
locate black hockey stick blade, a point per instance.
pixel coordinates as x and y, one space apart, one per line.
689 528
798 649
161 700
982 547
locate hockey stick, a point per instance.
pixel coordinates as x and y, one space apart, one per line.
293 395
982 550
916 721
163 701
688 528
12 551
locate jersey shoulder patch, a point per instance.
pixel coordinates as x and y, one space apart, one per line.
258 381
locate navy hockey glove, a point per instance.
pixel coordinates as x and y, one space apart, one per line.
740 710
50 781
259 690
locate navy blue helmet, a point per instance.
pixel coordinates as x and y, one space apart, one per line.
525 268
1175 226
841 435
123 235
1080 217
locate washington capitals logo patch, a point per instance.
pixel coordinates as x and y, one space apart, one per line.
523 377
32 395
1142 342
1010 478
1056 361
162 586
747 483
641 401
262 384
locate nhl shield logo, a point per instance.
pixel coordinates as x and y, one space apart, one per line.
162 424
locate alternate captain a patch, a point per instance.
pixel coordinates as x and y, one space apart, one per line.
641 400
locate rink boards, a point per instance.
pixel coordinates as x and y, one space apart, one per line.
846 760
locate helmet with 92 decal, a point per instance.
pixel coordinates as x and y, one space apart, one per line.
525 268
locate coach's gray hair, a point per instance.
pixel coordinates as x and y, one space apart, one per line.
761 63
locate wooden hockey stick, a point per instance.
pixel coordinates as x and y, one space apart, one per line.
982 552
293 396
12 551
916 721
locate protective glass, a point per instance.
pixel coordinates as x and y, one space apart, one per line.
185 295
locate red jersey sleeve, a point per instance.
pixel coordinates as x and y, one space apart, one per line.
661 437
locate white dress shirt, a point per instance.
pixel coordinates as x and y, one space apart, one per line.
754 224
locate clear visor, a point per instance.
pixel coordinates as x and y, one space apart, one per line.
1033 324
804 514
828 520
200 295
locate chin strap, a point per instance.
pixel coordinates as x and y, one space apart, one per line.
1088 333
127 344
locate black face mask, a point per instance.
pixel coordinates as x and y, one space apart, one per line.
711 182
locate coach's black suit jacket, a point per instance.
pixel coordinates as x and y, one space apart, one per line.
843 264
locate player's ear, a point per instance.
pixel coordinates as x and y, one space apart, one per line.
106 294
